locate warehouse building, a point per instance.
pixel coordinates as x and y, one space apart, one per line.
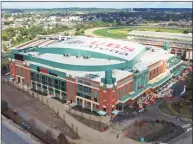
95 73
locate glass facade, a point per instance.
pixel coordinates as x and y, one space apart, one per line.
83 91
49 81
53 84
96 98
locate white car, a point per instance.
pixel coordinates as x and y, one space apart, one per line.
7 74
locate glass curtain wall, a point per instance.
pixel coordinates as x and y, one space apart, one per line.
54 85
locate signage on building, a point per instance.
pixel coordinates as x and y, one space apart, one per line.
53 74
43 70
111 47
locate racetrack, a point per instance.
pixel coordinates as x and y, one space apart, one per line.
122 32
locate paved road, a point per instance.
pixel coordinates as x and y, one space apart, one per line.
153 111
10 137
184 139
13 135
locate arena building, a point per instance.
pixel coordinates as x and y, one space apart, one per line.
102 75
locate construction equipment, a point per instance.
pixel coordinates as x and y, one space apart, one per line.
146 102
140 106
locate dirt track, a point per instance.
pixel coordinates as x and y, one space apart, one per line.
89 32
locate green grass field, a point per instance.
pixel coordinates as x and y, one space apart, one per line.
122 33
176 110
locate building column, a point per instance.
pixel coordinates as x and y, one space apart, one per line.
91 106
71 89
92 94
14 70
47 90
122 106
29 75
189 56
101 93
109 101
77 101
83 103
74 91
36 85
60 95
67 89
54 91
41 87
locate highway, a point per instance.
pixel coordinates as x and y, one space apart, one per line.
12 135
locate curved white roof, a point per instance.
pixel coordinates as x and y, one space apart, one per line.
118 48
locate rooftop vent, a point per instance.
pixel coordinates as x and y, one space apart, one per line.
86 57
148 48
66 54
136 71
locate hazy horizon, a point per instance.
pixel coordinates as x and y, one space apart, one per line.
118 5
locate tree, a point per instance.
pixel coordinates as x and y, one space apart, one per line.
4 106
189 86
186 31
19 38
62 139
4 47
8 22
5 37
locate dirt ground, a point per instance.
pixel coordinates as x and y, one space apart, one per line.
90 123
136 132
34 107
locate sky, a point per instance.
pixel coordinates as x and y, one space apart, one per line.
141 4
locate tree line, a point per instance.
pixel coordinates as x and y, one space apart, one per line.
21 34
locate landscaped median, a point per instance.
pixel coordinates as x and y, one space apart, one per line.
177 109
